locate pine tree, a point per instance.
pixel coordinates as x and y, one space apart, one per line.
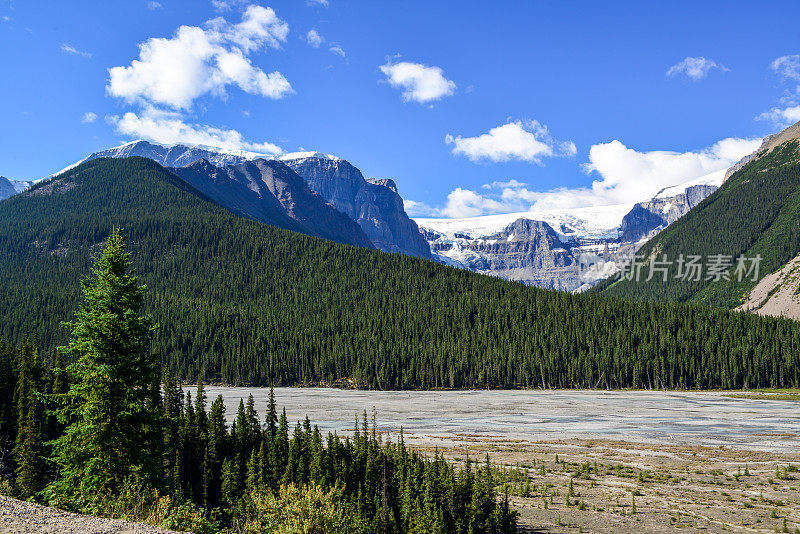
112 408
28 450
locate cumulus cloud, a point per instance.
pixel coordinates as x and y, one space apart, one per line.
89 117
418 82
336 49
788 112
175 71
696 68
623 176
314 39
523 141
69 49
170 128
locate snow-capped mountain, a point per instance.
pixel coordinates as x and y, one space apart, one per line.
374 205
567 249
12 187
180 155
668 205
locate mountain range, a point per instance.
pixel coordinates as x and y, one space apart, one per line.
570 249
375 206
565 249
325 196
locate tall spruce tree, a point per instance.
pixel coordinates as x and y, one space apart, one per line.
112 407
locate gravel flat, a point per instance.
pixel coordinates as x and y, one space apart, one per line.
656 417
21 517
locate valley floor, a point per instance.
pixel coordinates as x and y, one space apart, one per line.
625 487
21 517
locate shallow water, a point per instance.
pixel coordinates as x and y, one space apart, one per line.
668 418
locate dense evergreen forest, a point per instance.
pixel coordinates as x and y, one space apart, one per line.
755 212
97 433
242 302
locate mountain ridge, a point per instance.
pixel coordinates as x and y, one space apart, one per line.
376 208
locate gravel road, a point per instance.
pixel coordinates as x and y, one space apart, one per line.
20 517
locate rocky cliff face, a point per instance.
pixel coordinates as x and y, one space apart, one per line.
12 187
6 188
271 192
374 205
525 250
648 218
770 142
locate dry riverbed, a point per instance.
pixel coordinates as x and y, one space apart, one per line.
625 487
638 461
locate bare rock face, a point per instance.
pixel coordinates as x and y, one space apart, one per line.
269 191
649 217
12 187
770 142
374 205
6 188
526 250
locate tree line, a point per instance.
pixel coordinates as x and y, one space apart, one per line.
96 431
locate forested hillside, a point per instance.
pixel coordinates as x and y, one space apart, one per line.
756 212
246 303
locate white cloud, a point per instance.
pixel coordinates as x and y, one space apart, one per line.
227 5
69 49
323 3
197 61
314 39
504 185
695 68
153 5
89 117
336 49
170 128
419 209
524 141
787 66
626 176
418 82
782 116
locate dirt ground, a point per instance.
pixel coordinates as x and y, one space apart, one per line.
624 487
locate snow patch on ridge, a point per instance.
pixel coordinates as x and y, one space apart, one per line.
595 222
714 178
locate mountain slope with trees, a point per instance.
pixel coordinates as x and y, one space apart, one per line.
242 302
756 213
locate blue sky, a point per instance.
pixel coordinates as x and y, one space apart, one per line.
542 99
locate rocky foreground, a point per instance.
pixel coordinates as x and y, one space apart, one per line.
21 517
